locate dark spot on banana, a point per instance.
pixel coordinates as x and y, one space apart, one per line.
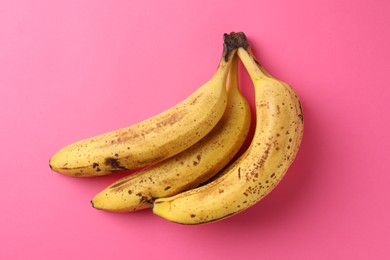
196 99
167 188
172 119
114 163
300 109
193 215
144 199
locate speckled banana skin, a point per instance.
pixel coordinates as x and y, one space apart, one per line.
276 141
154 139
189 168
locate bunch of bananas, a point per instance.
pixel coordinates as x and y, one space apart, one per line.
189 172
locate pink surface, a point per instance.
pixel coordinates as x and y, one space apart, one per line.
73 69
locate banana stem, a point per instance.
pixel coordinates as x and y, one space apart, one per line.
234 41
233 76
250 63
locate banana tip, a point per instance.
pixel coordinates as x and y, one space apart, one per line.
93 205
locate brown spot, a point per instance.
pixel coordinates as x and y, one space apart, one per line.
239 173
300 109
220 190
167 188
171 119
96 166
193 102
254 173
193 215
114 163
144 199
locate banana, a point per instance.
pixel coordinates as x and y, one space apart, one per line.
276 141
189 168
154 139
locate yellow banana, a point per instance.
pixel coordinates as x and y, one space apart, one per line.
277 137
189 168
153 139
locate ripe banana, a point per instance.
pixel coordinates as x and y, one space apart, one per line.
189 168
153 139
277 137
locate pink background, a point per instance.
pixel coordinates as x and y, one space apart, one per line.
73 69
